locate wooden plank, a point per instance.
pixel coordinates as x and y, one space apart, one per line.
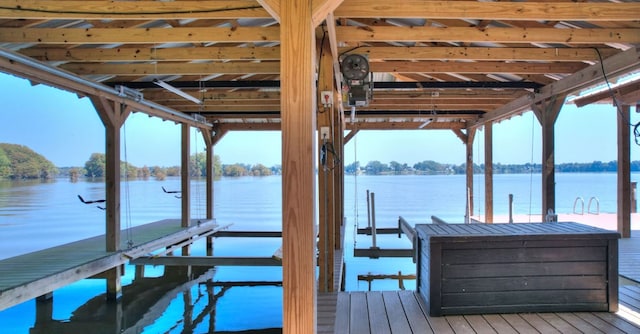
398 321
479 324
618 322
519 324
378 321
579 323
598 323
524 269
459 324
523 283
343 313
538 323
499 324
358 315
415 315
557 322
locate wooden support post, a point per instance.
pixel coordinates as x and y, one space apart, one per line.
211 175
624 174
113 115
471 134
326 173
338 171
298 166
547 113
186 180
488 173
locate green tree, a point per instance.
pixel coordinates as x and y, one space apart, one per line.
234 170
260 170
376 167
5 164
24 163
95 166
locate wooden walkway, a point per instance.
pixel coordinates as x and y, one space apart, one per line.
31 275
404 312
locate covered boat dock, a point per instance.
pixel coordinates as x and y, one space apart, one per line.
320 71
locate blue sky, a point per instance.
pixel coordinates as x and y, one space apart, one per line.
66 130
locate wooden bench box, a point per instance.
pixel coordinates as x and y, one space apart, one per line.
508 268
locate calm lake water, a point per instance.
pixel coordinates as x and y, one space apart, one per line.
36 215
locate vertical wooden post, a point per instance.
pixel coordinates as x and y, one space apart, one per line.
186 181
211 175
338 145
547 113
113 114
326 173
624 174
298 166
471 134
488 172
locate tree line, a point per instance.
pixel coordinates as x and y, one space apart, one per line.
20 162
431 167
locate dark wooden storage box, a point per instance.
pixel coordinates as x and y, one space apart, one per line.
508 268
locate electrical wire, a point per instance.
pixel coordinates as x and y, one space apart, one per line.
82 12
636 127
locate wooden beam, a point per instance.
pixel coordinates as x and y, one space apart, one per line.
207 261
322 8
124 10
153 54
207 137
70 36
350 135
54 77
547 113
113 115
619 92
495 35
389 125
461 135
298 167
272 7
488 173
475 67
516 11
477 53
326 177
172 69
471 134
272 67
615 66
185 176
624 174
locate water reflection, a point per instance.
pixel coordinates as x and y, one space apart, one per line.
151 305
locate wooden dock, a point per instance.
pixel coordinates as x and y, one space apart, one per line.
404 312
31 275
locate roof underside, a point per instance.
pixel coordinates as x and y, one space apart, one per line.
457 63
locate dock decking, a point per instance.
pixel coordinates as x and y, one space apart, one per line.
404 312
31 275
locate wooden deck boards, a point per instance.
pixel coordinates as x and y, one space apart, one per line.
404 312
629 256
30 275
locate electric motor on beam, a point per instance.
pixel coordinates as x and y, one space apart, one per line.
356 84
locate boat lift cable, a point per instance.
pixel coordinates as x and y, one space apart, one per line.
126 189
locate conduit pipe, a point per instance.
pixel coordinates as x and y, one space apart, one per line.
40 66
